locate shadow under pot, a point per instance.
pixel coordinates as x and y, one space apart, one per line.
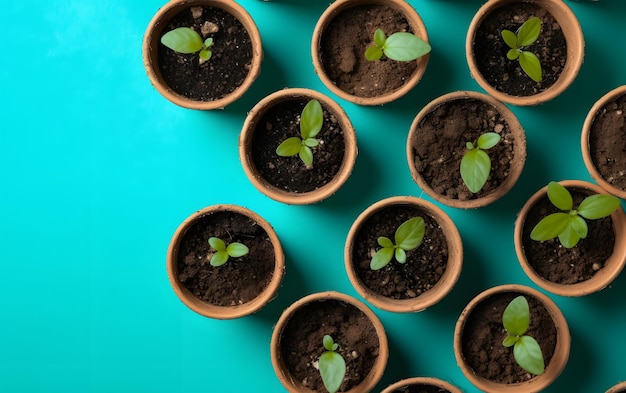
466 149
479 335
298 336
587 267
287 175
430 261
421 385
242 284
188 79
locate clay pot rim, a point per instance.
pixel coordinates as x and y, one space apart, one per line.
603 277
443 286
375 374
584 140
333 10
517 165
617 388
429 381
275 193
215 311
553 369
151 43
575 50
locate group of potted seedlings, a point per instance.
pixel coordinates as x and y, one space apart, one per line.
402 254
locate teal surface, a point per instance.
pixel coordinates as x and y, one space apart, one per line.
98 170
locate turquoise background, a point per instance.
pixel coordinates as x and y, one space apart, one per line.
98 170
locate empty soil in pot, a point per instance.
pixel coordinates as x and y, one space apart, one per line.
420 388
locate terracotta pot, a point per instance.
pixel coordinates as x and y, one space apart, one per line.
448 278
575 50
325 20
619 388
424 382
603 277
254 173
596 109
485 196
554 366
152 46
206 308
322 302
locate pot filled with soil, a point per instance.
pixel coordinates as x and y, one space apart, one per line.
346 31
225 261
493 342
568 264
421 385
298 343
603 142
530 64
202 54
416 264
297 146
466 149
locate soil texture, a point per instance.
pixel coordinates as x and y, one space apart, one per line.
420 389
607 142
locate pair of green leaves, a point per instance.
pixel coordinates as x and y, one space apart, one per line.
569 224
526 350
332 366
187 40
223 252
311 122
408 236
399 46
476 164
526 35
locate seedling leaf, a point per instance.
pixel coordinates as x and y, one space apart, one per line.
531 65
516 316
217 243
559 196
510 39
311 119
219 258
512 54
528 32
328 342
289 147
382 258
306 155
488 140
579 225
379 38
475 169
525 35
236 250
183 40
404 46
373 53
332 366
598 206
400 255
509 341
569 238
550 226
385 242
527 353
205 54
410 234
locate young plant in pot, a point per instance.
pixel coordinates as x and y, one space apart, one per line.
524 52
202 54
466 149
225 261
570 238
403 254
421 385
297 146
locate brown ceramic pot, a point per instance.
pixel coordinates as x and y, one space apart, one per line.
421 382
619 388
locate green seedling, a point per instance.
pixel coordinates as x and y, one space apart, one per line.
399 46
187 40
408 236
311 122
476 164
569 224
331 365
526 35
223 252
526 350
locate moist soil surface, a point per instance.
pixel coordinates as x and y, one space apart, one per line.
281 122
421 388
301 342
506 75
483 334
343 45
439 145
239 280
607 142
561 265
227 68
424 265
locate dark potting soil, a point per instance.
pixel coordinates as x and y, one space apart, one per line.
301 342
282 121
421 388
239 280
506 75
224 72
424 265
561 265
483 334
343 45
607 142
439 145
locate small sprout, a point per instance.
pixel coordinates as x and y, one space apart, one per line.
569 224
476 164
332 366
408 236
401 46
223 252
526 35
311 122
526 350
187 40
